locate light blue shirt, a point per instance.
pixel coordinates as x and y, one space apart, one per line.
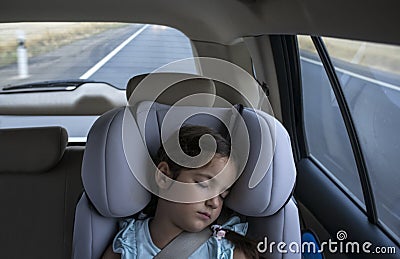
134 241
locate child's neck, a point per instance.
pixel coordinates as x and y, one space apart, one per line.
162 231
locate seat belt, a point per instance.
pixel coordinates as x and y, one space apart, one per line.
184 245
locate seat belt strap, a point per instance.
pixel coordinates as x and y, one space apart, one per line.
184 245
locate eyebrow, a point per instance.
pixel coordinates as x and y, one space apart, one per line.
205 175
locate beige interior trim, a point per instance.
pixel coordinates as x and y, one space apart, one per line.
87 99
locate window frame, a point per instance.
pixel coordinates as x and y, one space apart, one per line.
366 186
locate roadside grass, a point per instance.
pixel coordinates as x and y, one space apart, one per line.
44 37
379 56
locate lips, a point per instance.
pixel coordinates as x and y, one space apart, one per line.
205 214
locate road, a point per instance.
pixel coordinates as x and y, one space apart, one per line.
153 47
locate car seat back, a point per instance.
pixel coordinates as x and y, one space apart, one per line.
40 186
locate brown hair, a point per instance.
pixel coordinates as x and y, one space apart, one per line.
189 137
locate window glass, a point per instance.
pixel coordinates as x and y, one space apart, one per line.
326 134
369 74
109 52
35 55
78 126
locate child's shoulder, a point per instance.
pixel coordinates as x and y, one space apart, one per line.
235 224
133 239
231 221
217 246
131 227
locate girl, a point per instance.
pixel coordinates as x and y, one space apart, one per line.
166 219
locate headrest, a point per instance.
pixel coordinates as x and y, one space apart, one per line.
107 178
179 85
114 191
29 150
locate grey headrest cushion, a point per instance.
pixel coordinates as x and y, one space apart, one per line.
106 176
275 188
114 190
30 150
179 85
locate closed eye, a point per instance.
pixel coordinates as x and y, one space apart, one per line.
202 184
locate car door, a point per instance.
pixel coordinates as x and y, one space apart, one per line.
342 110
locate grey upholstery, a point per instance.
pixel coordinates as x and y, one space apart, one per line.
282 226
114 192
275 188
187 84
40 186
108 181
149 86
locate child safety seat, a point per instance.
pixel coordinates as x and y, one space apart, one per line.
122 140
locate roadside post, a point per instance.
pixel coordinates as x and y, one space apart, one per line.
22 55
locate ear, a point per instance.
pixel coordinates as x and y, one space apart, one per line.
163 176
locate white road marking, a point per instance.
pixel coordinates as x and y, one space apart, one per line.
101 63
347 72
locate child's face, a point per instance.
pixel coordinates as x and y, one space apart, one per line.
194 217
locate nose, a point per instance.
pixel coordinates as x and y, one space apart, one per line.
213 202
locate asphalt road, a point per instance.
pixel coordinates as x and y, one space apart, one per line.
153 47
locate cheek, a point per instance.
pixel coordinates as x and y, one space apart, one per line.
178 210
219 208
186 209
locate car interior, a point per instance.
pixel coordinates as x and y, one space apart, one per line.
66 164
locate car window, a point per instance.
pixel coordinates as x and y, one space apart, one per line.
327 139
62 57
369 74
110 52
